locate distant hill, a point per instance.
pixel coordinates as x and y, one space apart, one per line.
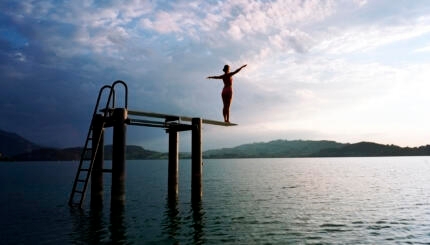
69 154
368 149
134 152
50 154
12 144
276 148
15 147
306 148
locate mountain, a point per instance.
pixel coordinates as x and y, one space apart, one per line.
306 148
50 154
276 148
369 149
68 154
134 152
12 144
15 147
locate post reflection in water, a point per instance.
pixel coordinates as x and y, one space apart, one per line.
117 227
88 227
189 228
96 231
93 227
172 219
197 212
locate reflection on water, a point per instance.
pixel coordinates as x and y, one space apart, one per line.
252 201
197 214
172 221
87 226
92 227
97 226
192 223
117 227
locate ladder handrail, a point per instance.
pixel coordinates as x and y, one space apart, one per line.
95 112
125 89
99 96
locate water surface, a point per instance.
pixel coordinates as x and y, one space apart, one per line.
245 201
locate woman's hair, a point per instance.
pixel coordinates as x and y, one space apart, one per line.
226 68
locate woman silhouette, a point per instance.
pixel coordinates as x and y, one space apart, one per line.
227 92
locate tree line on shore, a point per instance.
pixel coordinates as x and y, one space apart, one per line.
16 148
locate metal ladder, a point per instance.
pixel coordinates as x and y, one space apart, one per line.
88 154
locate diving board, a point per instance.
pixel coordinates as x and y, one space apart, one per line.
92 156
169 117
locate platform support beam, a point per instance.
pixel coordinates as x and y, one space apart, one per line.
118 158
196 160
173 164
97 172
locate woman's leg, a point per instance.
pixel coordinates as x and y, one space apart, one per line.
226 99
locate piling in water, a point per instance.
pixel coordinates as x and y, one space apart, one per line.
196 160
173 167
118 157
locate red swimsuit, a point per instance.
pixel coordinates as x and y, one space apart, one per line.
227 92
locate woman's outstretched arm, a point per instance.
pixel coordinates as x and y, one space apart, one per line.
236 71
215 77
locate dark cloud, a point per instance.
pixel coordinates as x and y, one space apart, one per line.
55 55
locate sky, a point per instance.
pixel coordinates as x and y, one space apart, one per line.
342 70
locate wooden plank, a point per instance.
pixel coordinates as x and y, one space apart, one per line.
175 117
219 123
150 114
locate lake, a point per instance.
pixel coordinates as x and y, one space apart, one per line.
245 201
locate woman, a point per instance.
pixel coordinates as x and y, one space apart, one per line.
227 92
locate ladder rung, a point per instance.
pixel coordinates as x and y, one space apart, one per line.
81 180
80 192
107 170
84 169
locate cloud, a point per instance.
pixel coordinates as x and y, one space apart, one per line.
165 23
367 34
234 19
424 49
364 38
288 41
308 63
360 3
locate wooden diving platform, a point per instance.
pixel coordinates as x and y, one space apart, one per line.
91 163
168 118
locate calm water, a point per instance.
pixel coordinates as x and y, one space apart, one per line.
250 201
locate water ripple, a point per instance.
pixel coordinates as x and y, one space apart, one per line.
251 201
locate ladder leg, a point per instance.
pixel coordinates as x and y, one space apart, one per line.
97 171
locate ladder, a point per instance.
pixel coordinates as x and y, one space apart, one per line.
90 149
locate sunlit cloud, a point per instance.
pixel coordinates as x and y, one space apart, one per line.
422 49
342 70
363 38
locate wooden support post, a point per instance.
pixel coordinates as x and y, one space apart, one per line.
196 160
118 158
97 172
173 167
